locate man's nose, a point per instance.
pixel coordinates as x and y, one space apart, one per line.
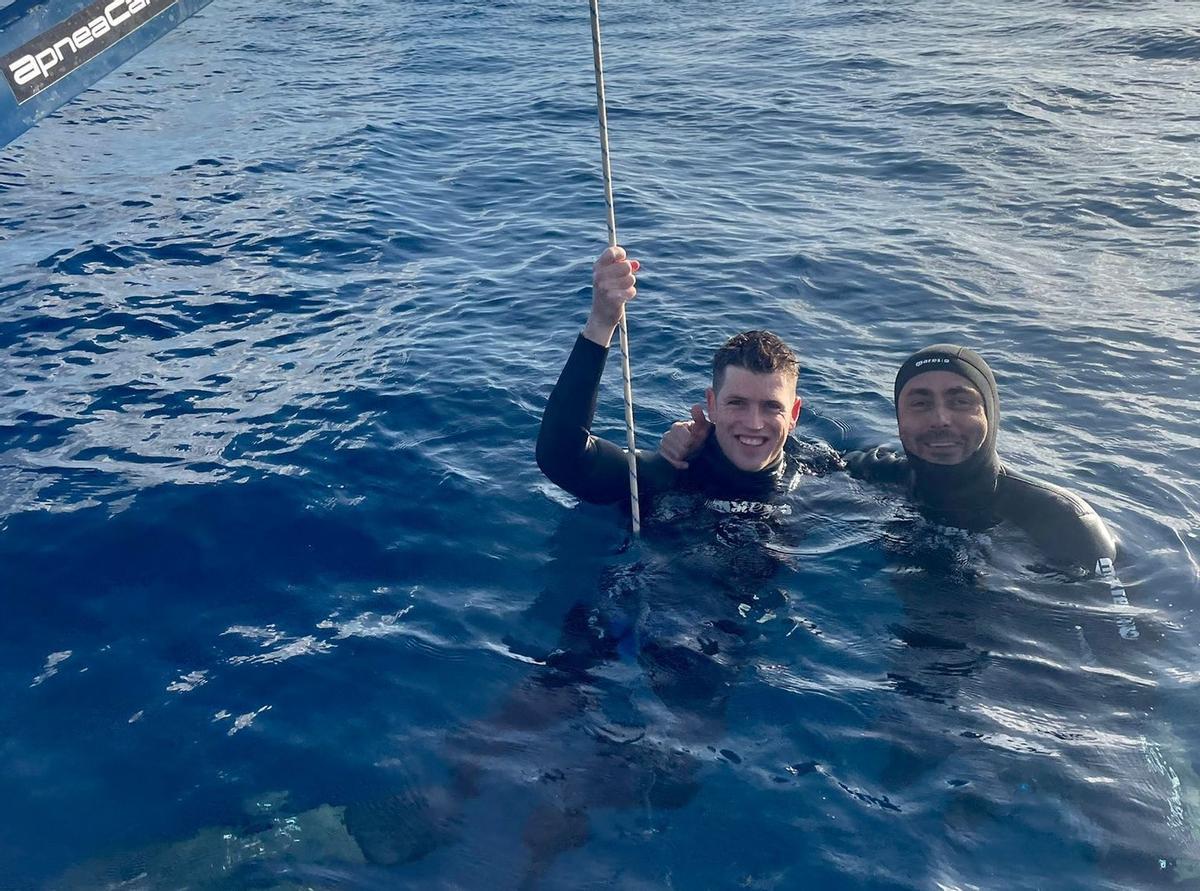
941 414
756 417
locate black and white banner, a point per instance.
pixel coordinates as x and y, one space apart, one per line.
55 53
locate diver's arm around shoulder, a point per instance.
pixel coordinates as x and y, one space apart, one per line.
880 464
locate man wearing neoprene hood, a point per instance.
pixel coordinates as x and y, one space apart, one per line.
948 412
752 403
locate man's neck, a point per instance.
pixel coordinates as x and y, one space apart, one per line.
960 494
720 474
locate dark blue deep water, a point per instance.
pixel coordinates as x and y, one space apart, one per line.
281 302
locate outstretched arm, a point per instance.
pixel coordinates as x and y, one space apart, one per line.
584 465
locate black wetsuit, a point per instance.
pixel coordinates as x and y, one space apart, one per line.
724 519
981 492
688 612
597 471
1060 523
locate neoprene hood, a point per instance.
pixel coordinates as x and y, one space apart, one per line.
971 482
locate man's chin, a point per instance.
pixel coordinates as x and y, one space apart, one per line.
752 463
751 467
946 457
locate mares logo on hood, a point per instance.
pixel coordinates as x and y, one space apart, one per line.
959 360
55 53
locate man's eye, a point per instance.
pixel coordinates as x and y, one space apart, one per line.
964 403
919 404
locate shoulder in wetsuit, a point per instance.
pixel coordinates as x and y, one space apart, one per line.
1060 524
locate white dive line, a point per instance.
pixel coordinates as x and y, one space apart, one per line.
631 450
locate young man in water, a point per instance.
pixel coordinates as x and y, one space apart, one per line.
690 658
752 404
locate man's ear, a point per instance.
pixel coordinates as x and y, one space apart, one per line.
796 412
710 397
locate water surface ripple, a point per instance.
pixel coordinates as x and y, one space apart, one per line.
280 306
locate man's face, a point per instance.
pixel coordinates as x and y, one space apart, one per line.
752 415
941 417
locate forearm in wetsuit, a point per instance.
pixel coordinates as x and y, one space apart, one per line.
1078 539
588 467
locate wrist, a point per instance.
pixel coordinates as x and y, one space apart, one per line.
599 331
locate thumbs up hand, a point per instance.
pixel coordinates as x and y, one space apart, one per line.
685 439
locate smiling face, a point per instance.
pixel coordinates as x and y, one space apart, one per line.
752 415
941 417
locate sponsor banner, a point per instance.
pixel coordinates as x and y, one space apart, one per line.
55 53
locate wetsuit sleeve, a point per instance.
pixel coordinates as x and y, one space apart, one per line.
588 467
877 465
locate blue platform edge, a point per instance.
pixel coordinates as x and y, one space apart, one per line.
23 20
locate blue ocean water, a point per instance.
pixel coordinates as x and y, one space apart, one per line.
280 306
